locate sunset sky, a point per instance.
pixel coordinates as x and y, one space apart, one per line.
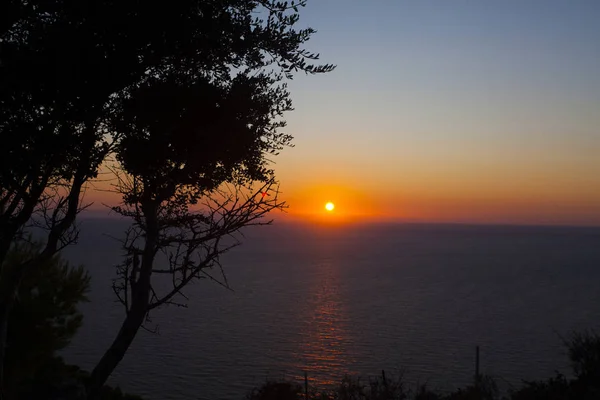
453 111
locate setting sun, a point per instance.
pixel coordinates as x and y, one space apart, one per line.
329 206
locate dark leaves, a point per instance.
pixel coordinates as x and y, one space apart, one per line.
200 132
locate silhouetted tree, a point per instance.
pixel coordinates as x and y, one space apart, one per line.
63 68
192 148
45 316
48 121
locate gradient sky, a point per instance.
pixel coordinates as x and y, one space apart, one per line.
465 111
449 110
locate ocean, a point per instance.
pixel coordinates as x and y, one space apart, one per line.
411 299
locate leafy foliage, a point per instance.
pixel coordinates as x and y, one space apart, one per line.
78 78
183 137
45 316
192 141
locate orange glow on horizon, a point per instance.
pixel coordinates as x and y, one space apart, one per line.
357 202
328 204
371 204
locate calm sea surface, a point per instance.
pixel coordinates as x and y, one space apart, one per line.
405 298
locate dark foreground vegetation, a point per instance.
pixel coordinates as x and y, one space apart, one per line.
382 388
46 318
583 351
43 321
178 108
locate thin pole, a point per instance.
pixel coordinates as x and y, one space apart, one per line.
477 365
305 385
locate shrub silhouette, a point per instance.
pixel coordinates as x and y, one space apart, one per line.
584 353
45 316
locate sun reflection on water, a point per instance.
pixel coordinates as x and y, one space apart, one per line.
323 351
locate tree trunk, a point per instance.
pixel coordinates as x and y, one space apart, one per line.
140 300
113 356
10 280
5 244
